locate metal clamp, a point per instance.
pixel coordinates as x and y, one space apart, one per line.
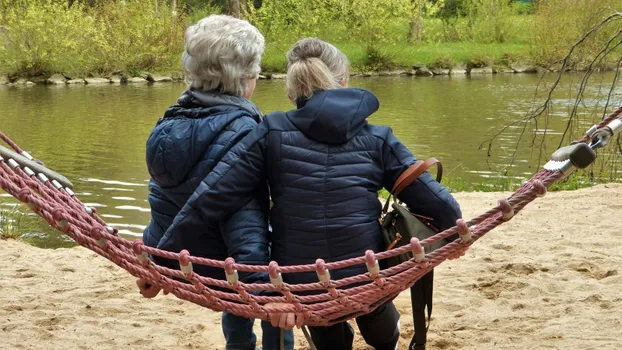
29 172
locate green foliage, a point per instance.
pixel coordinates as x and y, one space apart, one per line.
132 35
105 36
43 37
561 23
492 20
48 36
198 12
284 21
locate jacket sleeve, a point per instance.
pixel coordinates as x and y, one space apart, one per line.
425 196
229 196
245 234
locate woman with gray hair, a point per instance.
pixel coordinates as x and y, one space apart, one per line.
221 65
325 165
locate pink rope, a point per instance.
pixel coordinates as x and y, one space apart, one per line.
329 302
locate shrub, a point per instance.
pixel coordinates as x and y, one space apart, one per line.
48 36
40 37
561 23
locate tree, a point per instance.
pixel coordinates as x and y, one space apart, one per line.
416 23
233 8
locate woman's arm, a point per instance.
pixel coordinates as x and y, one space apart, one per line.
425 196
231 185
245 233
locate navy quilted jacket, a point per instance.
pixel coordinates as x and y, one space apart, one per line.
182 150
324 164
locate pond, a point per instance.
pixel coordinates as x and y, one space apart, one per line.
95 135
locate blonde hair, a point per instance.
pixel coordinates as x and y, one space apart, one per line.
222 53
315 65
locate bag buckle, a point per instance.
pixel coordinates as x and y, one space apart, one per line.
398 238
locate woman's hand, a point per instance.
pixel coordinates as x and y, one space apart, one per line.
147 290
285 320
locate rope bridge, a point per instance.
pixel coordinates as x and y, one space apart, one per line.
324 302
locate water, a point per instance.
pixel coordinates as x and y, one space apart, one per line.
95 135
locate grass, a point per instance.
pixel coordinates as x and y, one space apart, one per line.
407 55
13 223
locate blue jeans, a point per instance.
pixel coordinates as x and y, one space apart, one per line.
240 336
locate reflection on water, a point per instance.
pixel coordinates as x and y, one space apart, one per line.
95 135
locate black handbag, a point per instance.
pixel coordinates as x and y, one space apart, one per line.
400 225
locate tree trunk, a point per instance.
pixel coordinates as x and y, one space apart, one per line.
257 4
233 8
416 24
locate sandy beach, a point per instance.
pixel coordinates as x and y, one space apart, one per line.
548 279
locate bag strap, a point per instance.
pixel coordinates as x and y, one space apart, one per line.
421 298
410 175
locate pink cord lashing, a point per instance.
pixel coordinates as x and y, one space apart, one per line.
275 276
417 248
184 263
322 272
539 187
463 231
506 209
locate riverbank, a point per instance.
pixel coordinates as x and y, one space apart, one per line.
80 40
418 70
548 278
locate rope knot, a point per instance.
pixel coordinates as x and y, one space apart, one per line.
231 273
275 276
322 273
417 249
372 263
97 233
539 187
184 263
463 231
58 215
506 209
137 247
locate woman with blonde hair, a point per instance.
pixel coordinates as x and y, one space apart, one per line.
325 165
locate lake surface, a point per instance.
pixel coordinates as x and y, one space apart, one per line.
95 135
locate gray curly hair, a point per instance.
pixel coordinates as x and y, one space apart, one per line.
222 53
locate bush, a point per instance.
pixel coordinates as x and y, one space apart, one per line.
561 23
47 36
132 36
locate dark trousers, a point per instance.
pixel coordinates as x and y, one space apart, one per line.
379 329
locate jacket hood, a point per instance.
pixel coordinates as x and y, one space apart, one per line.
334 116
188 131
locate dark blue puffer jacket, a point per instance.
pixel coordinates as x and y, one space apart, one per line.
324 164
182 150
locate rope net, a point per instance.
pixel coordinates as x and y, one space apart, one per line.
323 303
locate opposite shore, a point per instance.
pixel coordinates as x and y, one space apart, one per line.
178 76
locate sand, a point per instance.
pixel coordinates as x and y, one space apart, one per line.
548 279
